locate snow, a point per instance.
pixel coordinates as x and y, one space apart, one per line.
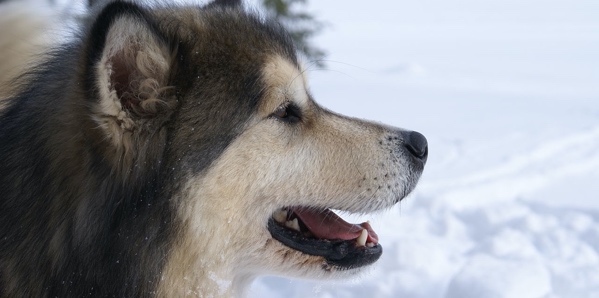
507 93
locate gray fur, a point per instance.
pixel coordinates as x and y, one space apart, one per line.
74 220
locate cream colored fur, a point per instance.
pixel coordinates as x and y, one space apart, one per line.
329 162
27 32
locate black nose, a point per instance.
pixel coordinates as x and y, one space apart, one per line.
416 144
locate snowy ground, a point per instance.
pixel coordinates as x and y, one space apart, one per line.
507 93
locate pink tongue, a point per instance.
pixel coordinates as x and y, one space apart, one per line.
325 224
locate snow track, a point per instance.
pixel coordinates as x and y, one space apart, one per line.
482 235
523 171
508 205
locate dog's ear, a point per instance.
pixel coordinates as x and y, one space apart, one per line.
224 3
130 64
132 61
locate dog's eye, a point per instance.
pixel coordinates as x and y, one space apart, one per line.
281 112
289 113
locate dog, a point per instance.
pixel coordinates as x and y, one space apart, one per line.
169 151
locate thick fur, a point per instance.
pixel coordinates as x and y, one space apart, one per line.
145 158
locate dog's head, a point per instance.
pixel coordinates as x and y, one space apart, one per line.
215 100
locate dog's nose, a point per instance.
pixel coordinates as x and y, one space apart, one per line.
416 143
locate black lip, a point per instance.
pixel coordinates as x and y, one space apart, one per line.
340 253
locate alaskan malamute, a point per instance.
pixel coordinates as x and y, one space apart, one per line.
178 151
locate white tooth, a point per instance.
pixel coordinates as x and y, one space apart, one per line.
280 216
293 224
361 241
369 244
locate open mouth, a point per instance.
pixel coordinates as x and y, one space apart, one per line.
320 232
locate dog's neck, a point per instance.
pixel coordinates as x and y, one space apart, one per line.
206 262
205 283
213 273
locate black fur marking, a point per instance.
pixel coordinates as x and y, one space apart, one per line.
224 3
68 228
71 225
